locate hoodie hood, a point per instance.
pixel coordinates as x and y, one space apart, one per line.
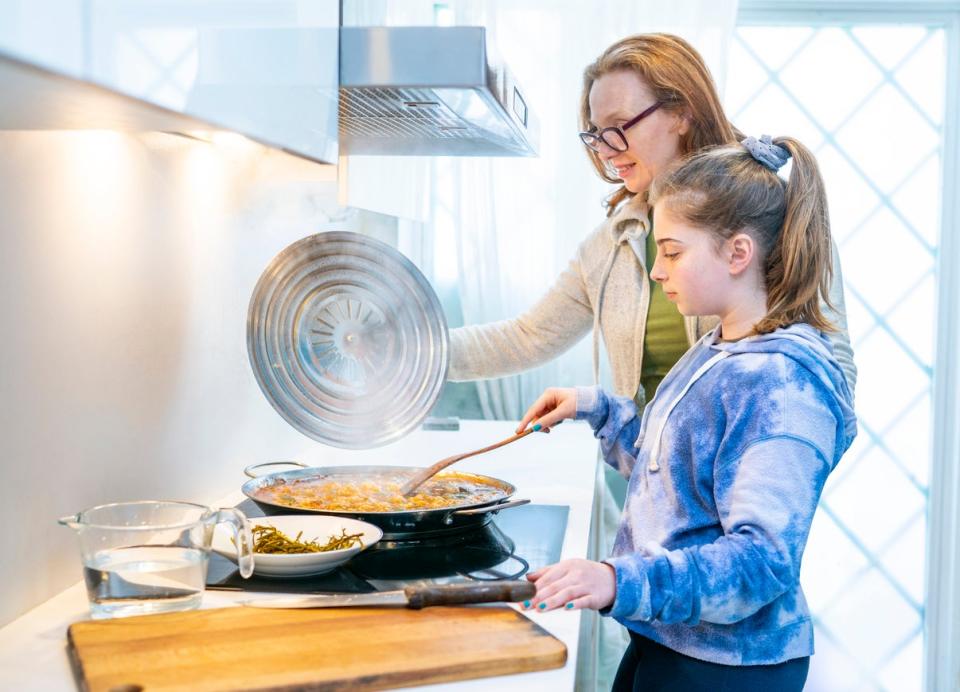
813 351
800 343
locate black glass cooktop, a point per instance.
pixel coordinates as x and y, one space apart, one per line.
516 541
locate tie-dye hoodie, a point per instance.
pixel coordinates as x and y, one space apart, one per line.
726 469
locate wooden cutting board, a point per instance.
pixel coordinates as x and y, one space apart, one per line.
320 649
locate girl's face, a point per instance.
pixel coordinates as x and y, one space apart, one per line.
694 272
653 143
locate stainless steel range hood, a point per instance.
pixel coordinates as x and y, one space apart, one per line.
396 91
429 91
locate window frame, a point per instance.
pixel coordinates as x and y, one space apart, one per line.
941 668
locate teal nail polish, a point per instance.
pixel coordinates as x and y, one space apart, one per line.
569 606
542 606
537 427
526 604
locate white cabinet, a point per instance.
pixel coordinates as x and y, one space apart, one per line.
266 70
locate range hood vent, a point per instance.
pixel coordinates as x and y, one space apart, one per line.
429 91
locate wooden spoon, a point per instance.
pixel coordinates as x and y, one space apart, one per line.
421 476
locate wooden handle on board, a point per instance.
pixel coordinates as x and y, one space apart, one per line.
460 594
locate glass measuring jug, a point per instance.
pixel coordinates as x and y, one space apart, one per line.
151 556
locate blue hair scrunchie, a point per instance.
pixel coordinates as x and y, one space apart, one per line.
771 155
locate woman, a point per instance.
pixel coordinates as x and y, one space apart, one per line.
647 101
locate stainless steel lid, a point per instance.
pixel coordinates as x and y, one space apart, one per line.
347 340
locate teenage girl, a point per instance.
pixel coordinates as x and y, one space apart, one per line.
727 464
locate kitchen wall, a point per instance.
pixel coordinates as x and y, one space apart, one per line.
126 266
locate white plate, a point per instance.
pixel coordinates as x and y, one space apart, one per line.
317 527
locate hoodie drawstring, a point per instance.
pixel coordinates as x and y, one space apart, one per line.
654 465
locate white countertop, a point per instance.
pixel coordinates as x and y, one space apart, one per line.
559 468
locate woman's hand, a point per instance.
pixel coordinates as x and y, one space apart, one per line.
573 584
553 406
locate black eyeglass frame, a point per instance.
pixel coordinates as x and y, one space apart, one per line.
592 139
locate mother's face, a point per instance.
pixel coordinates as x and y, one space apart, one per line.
653 143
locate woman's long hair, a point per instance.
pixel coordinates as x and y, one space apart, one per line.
725 190
678 77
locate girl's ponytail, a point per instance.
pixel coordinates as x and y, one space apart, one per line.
799 267
729 189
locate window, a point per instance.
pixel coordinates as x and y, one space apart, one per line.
867 95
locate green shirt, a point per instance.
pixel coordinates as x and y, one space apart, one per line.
665 338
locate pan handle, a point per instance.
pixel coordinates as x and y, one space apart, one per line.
493 509
249 470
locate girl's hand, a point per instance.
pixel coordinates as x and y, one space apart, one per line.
554 405
573 584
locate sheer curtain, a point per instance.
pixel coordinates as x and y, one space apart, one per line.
518 221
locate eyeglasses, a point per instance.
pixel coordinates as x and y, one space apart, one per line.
615 137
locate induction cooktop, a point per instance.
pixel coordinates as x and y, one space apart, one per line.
516 541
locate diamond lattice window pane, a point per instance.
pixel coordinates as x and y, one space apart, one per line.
789 119
904 671
908 439
922 78
829 563
919 198
883 153
836 669
889 45
873 619
868 100
881 276
751 76
874 501
775 45
831 100
912 316
851 198
889 380
903 558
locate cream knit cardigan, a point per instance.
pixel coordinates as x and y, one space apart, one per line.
605 288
